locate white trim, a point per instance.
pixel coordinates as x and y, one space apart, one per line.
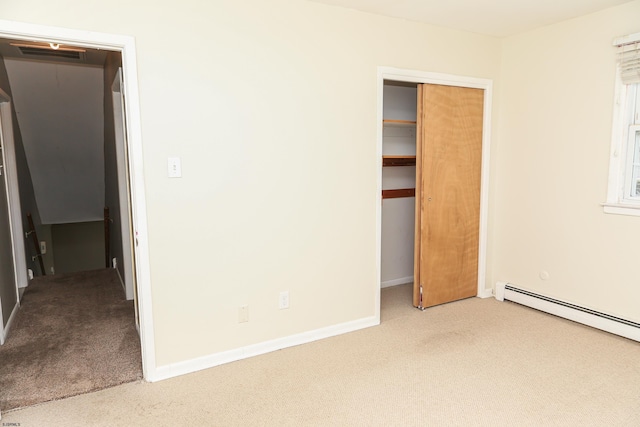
124 288
628 39
629 186
616 174
125 45
575 314
5 329
123 178
209 361
13 191
617 183
483 292
378 197
616 208
396 282
499 293
486 293
10 187
414 76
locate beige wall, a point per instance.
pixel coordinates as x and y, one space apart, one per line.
551 166
272 108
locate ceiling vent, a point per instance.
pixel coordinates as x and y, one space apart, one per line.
50 53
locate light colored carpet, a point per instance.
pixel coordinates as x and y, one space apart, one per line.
470 363
74 333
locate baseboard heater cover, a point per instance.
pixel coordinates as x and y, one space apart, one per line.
586 316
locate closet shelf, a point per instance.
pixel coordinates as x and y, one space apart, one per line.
397 193
390 122
398 160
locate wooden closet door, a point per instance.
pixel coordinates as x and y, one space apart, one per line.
449 156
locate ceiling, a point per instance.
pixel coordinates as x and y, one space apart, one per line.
498 18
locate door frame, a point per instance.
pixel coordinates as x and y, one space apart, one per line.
416 76
123 187
126 46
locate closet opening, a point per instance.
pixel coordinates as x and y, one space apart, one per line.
433 140
398 191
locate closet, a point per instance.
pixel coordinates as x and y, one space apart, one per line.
432 156
398 183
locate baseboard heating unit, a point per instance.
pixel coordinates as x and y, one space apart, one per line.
586 316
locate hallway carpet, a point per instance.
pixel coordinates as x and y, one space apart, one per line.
74 333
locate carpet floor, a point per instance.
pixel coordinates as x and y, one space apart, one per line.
74 333
476 362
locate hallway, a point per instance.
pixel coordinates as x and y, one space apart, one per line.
75 333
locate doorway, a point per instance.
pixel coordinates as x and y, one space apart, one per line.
414 79
126 47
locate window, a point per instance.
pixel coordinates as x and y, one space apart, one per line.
624 172
634 167
632 127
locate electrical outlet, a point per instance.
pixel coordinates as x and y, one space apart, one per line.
283 301
243 313
43 247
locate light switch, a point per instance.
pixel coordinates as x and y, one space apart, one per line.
175 169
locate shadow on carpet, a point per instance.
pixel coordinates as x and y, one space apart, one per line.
74 333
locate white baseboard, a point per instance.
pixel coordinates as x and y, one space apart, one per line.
5 332
216 359
395 282
486 293
124 288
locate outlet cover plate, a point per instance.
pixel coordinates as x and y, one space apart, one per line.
283 300
243 314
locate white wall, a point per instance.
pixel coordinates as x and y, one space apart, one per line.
272 108
398 215
59 109
27 195
551 166
400 103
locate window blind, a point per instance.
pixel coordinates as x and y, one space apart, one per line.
629 58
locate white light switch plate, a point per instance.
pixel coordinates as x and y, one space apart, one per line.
175 168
